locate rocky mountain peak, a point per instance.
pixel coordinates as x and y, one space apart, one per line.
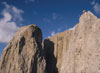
28 31
71 51
87 16
24 53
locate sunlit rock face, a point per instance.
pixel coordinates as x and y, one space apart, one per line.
56 46
77 50
83 53
24 53
72 51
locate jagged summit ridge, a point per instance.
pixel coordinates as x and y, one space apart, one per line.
87 16
82 55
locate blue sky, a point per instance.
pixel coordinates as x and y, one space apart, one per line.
52 16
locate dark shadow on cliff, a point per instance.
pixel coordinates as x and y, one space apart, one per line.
51 61
39 54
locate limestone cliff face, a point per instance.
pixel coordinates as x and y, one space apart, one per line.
24 54
72 51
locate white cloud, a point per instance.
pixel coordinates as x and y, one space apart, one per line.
8 26
15 12
96 7
53 33
72 28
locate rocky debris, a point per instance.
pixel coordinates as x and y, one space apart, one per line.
24 53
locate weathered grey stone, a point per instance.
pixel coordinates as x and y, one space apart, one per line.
24 53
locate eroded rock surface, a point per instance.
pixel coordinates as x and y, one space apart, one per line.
72 51
77 50
83 54
54 48
24 54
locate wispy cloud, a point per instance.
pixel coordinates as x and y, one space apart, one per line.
55 32
73 28
96 6
15 12
11 15
52 34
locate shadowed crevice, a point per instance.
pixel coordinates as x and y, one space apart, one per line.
51 61
21 44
